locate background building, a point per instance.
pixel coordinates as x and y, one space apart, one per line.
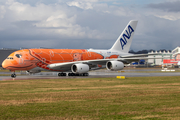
161 54
175 57
168 58
176 53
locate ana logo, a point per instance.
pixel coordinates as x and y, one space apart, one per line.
128 36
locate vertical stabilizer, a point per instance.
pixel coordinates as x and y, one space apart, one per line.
124 41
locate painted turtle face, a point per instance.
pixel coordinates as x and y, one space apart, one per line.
18 60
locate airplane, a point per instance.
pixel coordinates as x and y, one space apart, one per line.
77 62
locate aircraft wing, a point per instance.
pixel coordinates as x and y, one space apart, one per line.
139 55
67 65
136 59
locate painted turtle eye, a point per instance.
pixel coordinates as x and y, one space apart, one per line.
18 55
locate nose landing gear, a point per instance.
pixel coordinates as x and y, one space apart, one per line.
13 75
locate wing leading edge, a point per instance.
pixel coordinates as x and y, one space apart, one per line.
67 65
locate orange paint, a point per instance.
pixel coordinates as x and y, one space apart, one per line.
31 58
112 56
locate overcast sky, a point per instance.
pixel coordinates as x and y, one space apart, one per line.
83 24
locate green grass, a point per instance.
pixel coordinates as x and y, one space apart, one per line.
91 98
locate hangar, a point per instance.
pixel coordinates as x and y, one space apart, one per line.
168 58
176 57
161 54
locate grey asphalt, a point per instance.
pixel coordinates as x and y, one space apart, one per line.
94 74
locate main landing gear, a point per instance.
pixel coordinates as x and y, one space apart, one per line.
73 74
61 74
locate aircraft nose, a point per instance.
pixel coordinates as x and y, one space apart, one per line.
4 64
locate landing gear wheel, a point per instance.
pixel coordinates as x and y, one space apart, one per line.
85 74
71 74
61 74
13 75
74 74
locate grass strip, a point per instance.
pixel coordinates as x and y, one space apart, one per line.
91 98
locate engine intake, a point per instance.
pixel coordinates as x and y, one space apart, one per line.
114 65
80 68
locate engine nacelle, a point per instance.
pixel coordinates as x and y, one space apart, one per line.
80 68
114 65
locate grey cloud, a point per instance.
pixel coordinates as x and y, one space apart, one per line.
24 24
34 2
167 6
152 32
157 34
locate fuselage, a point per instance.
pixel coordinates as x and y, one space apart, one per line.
28 59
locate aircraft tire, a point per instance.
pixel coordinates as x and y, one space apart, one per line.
85 74
61 74
71 74
13 75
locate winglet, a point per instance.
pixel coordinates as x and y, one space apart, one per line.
124 41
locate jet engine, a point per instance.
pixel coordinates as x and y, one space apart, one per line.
114 65
80 68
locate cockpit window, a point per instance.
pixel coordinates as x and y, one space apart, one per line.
18 55
11 58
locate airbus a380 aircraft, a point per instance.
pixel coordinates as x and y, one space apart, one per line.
74 61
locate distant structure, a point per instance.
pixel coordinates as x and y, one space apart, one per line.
163 55
168 58
176 53
4 54
175 60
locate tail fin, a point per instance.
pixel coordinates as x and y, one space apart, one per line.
123 43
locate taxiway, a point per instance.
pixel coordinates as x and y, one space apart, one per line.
92 74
